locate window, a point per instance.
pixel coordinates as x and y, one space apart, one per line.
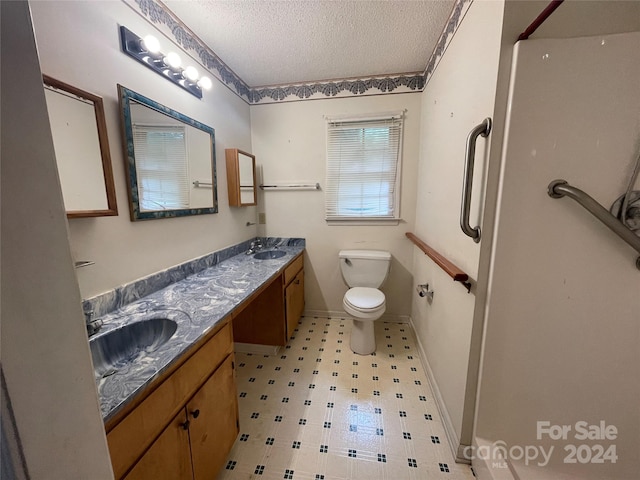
363 168
161 167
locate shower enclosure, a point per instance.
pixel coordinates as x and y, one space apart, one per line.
559 385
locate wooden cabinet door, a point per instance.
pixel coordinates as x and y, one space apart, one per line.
169 456
294 300
213 416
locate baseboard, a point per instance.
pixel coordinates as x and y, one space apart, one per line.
491 466
457 449
256 348
461 454
387 317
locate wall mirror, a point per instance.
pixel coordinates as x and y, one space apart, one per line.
241 178
81 146
170 159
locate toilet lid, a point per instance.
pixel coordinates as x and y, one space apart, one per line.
364 298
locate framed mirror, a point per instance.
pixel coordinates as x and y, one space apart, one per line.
241 178
170 160
81 146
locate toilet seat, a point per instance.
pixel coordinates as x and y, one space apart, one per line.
364 299
364 303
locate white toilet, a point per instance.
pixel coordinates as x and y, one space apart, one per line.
364 271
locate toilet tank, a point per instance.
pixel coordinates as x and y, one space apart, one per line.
364 268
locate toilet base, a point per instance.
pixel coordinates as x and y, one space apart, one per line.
363 339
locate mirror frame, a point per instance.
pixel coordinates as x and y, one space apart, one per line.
125 96
107 169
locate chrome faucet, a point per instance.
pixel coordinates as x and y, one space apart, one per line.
255 245
92 325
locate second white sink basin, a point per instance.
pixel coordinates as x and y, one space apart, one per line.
269 254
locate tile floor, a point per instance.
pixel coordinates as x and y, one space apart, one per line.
316 410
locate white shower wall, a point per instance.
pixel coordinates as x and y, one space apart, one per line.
562 329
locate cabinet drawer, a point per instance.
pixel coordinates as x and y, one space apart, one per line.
136 432
291 271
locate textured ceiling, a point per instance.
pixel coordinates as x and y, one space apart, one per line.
275 42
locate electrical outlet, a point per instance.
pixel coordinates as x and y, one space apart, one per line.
262 218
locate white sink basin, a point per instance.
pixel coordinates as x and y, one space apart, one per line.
118 348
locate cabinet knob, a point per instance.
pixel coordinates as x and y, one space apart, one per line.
195 413
185 425
297 282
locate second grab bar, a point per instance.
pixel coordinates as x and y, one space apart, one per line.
480 130
560 188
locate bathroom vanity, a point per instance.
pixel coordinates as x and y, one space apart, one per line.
173 411
187 423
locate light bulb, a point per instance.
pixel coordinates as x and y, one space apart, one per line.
191 73
151 44
172 59
204 83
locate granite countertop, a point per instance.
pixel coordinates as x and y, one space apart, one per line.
197 304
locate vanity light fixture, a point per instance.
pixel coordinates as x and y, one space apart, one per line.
147 51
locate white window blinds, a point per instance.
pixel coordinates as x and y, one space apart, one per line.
161 167
363 168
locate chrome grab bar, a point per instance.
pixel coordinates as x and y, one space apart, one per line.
560 188
480 130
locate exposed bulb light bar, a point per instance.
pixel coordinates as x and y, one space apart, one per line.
147 51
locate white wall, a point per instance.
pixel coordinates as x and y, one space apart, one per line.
562 332
459 96
78 43
289 142
45 353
